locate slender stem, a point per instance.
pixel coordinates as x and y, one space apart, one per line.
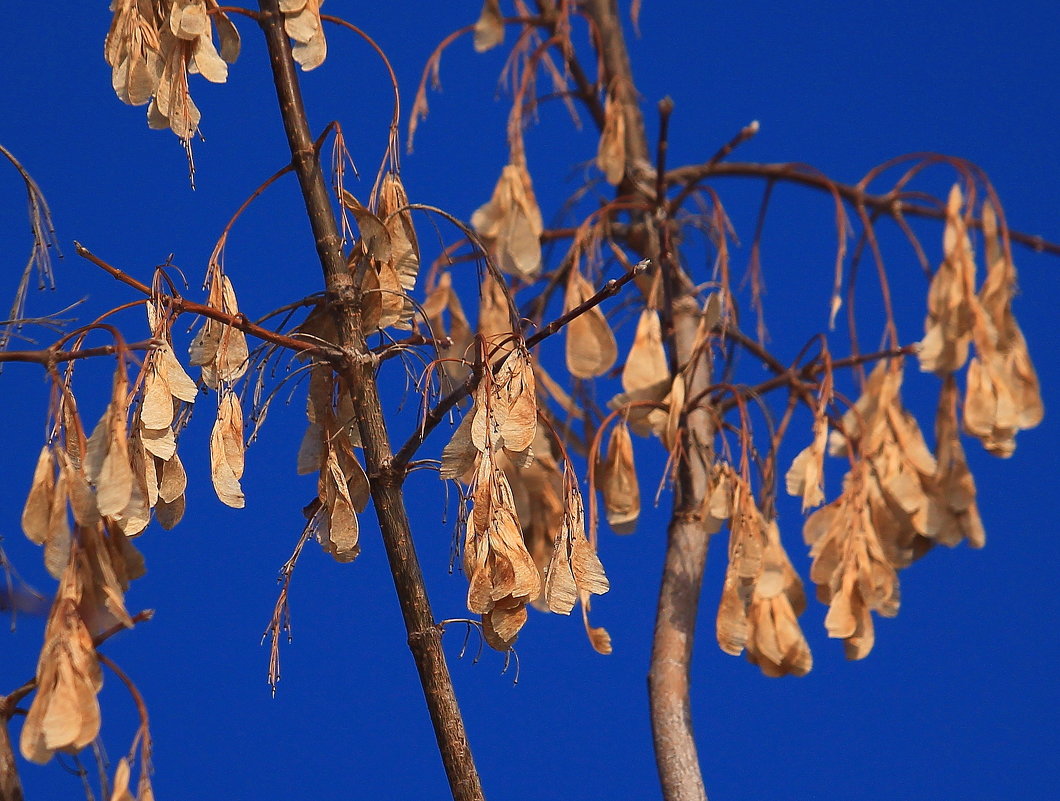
180 304
424 637
891 203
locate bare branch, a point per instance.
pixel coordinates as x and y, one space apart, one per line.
891 203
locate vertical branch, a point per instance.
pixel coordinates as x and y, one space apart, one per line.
424 637
669 691
687 537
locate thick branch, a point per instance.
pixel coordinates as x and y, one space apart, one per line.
424 637
618 74
686 550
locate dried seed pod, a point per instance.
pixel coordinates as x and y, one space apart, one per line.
1003 395
852 573
952 303
36 514
512 222
301 20
218 348
591 348
646 367
575 567
954 511
489 28
619 482
226 452
805 477
65 710
611 152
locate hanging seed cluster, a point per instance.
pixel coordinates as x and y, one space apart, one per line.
154 45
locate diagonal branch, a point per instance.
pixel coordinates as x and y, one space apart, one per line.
358 369
438 413
180 304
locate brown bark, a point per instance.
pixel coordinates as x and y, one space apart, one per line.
687 537
424 637
10 785
669 691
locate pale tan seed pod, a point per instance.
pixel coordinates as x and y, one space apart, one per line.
591 348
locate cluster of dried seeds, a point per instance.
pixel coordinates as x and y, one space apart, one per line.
388 243
762 595
153 45
328 449
1002 395
492 449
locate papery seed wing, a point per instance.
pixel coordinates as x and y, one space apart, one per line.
37 511
489 28
591 348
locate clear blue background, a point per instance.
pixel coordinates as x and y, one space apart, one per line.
959 698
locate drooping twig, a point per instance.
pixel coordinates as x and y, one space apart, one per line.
890 203
281 612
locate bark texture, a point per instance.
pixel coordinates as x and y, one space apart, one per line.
676 756
10 785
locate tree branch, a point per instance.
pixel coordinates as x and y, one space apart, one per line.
181 304
890 203
424 637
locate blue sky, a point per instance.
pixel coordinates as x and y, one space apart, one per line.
958 698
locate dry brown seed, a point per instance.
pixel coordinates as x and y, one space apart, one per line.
226 452
156 405
952 303
120 790
805 477
57 546
114 480
619 482
161 443
675 409
405 252
169 513
646 367
518 391
591 348
489 28
459 455
375 238
172 481
731 626
599 638
512 221
611 152
180 384
302 23
37 512
82 498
